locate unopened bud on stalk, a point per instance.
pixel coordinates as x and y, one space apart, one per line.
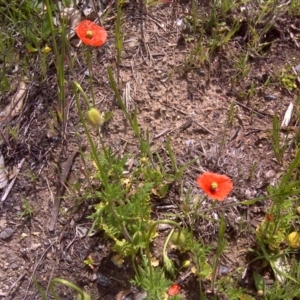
46 49
260 293
178 239
95 118
293 239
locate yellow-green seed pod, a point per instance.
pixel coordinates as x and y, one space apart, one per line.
46 49
95 118
143 160
293 239
186 263
178 239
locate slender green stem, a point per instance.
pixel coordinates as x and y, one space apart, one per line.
133 263
220 249
94 149
122 225
119 38
132 121
49 13
149 238
60 57
167 241
83 295
90 69
268 223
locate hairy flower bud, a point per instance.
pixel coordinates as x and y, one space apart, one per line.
95 118
178 239
293 239
46 49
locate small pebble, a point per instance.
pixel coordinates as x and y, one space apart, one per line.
68 258
297 68
201 73
260 202
223 270
270 97
14 266
260 293
140 296
6 233
103 280
270 174
163 227
93 277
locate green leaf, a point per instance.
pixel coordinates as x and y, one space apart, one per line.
4 84
258 281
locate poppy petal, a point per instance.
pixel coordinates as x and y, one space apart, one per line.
174 289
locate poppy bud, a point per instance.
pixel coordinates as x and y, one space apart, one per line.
95 118
46 49
178 239
186 263
293 239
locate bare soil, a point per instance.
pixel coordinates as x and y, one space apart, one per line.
188 106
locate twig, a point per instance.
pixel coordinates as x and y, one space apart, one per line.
3 172
20 164
51 194
60 190
183 126
35 268
161 133
127 97
15 106
196 122
184 277
97 12
50 278
262 114
156 22
166 131
203 127
14 284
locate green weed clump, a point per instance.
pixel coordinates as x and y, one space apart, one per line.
24 33
124 211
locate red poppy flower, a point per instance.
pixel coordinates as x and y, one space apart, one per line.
91 33
174 289
216 186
